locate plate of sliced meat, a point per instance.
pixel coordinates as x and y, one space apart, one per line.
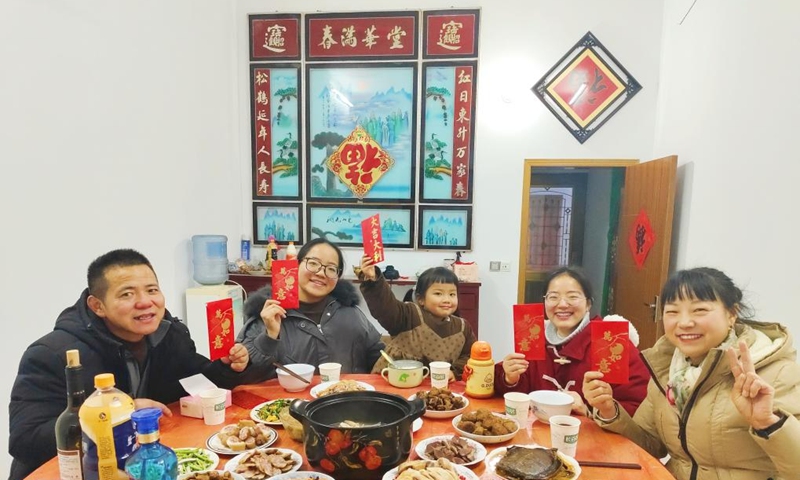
459 450
265 463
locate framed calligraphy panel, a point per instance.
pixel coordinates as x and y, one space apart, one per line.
275 130
378 97
448 132
445 227
274 37
586 87
283 220
362 36
342 223
450 33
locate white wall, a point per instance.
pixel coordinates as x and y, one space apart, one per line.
728 108
125 124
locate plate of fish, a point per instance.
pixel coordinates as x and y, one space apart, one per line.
523 462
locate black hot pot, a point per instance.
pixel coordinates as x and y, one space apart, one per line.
357 435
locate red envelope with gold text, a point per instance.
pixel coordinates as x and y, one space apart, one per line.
284 283
221 338
610 350
373 238
529 330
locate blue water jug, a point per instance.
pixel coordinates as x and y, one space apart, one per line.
210 259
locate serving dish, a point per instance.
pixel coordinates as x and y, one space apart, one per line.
214 444
186 476
492 458
257 418
487 439
480 450
324 385
189 464
297 460
444 413
464 473
302 475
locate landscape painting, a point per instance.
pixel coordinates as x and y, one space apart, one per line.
342 224
381 98
284 221
445 228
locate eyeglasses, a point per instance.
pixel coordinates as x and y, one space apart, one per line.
314 266
555 299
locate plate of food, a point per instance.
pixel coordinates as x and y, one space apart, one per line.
486 427
265 463
196 460
211 475
302 475
268 412
441 402
531 461
416 425
441 468
328 388
245 435
459 450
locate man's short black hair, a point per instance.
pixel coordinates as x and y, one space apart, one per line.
125 257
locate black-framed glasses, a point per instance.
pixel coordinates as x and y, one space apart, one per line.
555 299
313 265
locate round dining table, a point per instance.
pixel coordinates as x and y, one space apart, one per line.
595 445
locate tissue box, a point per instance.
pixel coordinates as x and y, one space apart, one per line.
192 407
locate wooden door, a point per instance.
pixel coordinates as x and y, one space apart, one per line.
649 186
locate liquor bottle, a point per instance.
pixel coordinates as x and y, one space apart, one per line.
291 252
151 460
68 426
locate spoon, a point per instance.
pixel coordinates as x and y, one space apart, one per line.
388 358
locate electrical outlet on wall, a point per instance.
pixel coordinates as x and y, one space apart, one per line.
505 267
494 266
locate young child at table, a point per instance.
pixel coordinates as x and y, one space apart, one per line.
424 329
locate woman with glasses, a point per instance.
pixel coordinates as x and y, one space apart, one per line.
328 326
567 303
725 397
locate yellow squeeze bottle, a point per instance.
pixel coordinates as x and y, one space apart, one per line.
108 435
479 371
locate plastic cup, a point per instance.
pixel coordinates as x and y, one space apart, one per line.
439 372
329 372
564 433
213 402
517 405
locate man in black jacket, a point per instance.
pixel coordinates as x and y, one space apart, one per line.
121 326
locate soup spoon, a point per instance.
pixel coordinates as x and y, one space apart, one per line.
388 358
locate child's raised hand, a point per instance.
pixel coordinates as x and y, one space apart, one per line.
514 365
368 268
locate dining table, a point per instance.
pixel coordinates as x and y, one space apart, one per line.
594 443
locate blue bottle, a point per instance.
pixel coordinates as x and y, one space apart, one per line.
151 460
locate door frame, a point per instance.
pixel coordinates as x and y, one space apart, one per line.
527 172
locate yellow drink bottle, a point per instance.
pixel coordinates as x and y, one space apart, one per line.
108 435
479 371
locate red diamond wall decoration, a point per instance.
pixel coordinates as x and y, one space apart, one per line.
641 239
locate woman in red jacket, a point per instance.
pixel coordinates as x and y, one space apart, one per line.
567 302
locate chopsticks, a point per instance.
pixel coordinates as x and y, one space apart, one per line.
589 463
278 365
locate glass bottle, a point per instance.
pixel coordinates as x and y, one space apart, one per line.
151 460
68 426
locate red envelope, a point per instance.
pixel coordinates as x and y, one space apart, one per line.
529 330
219 315
373 238
285 284
610 350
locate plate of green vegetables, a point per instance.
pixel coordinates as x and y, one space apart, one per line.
195 460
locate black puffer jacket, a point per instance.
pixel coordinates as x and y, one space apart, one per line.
39 392
344 335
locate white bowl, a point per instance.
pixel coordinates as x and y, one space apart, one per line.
546 403
291 384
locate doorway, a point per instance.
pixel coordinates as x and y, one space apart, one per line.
580 213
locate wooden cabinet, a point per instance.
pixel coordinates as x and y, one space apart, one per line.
468 293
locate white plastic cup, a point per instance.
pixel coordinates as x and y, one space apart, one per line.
330 372
439 373
213 402
517 405
564 433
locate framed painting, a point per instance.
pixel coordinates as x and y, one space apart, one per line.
342 223
450 33
444 227
362 36
448 133
283 220
275 131
274 37
379 98
586 87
